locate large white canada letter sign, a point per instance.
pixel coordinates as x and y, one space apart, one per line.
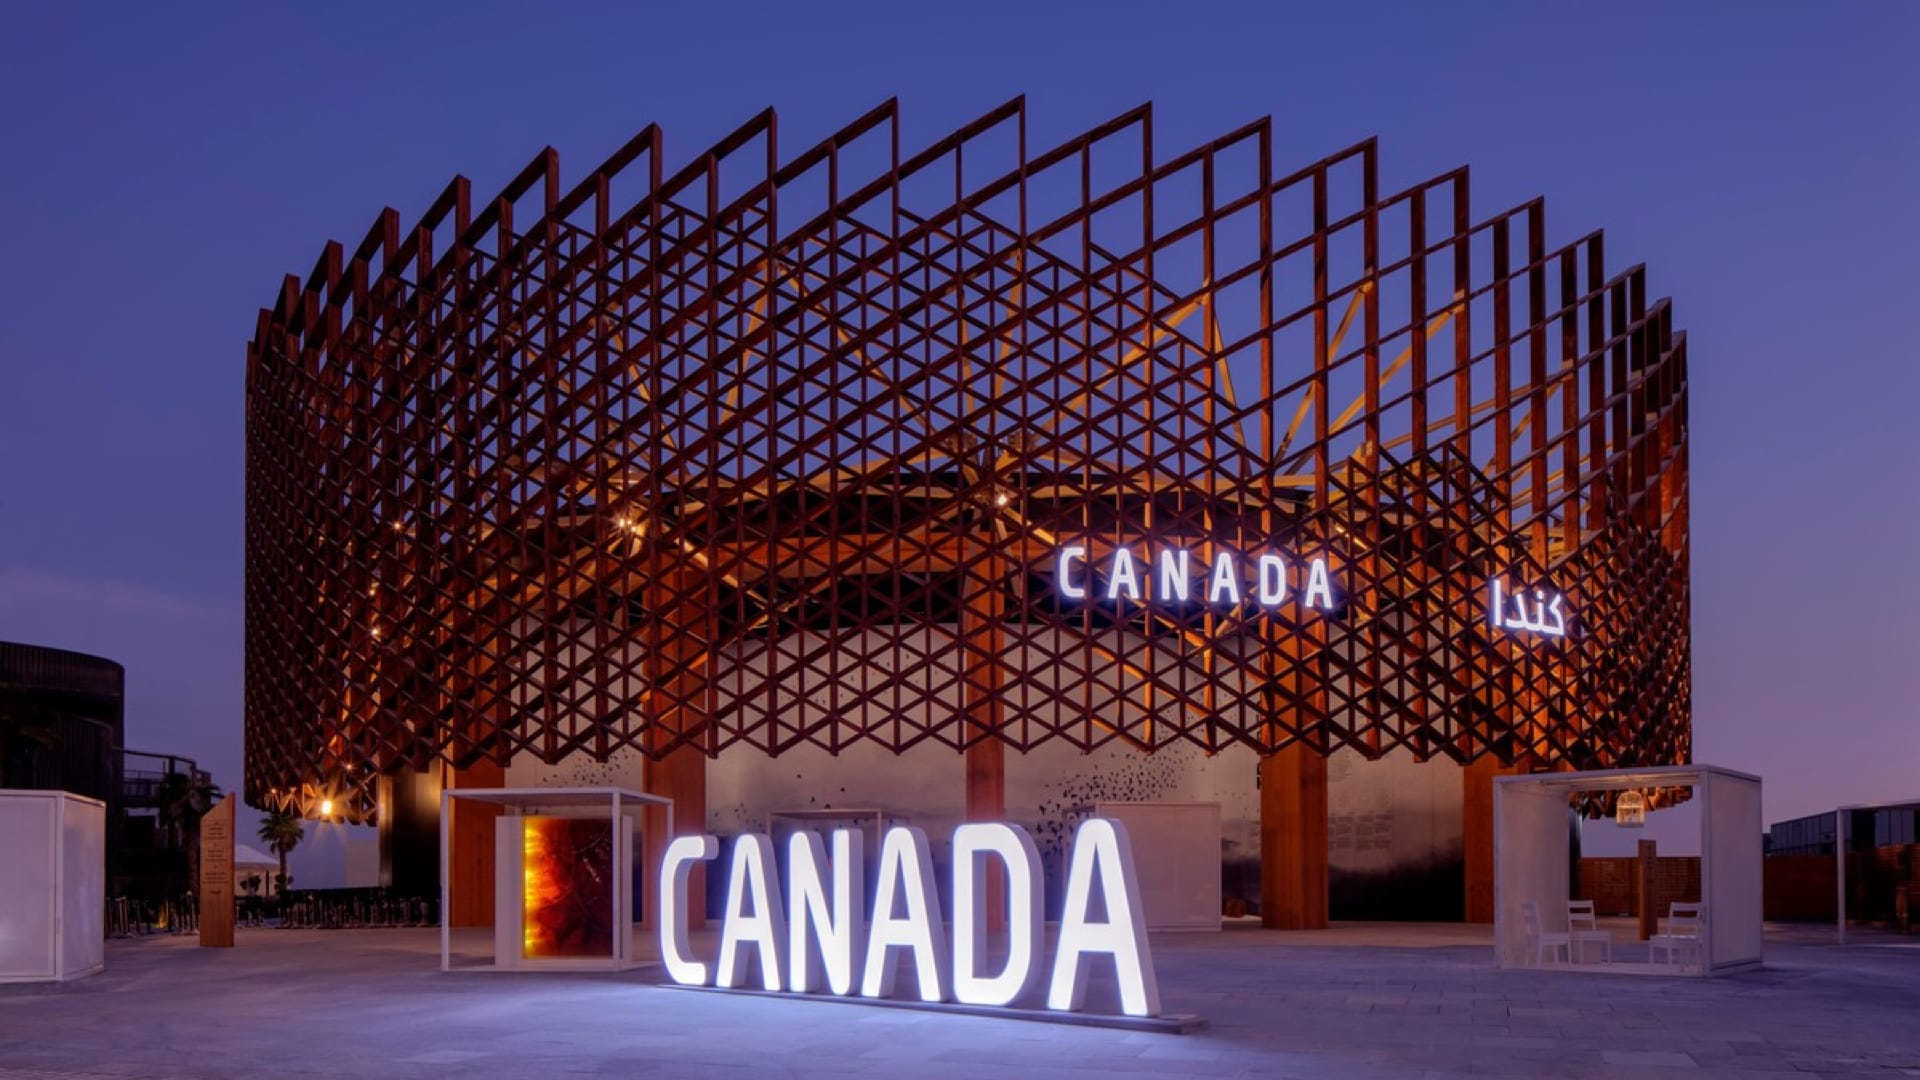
816 932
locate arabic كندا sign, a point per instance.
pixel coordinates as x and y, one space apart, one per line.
816 935
1513 612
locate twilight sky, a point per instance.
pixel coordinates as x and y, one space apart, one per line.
160 170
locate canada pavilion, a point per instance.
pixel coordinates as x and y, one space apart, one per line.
905 481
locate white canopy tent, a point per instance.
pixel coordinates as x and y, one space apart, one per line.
249 861
1531 849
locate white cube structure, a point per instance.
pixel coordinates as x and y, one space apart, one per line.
53 892
1176 851
1530 849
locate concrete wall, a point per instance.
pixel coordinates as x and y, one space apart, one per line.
1394 824
1395 846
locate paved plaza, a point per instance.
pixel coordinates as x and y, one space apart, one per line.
1355 1001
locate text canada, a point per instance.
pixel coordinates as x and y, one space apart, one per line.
816 933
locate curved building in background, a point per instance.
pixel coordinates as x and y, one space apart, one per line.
62 721
63 728
983 480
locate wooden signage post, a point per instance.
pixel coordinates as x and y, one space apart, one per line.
1649 901
216 876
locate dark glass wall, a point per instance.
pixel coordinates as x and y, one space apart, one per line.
1866 830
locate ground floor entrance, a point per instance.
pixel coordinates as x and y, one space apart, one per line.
1303 839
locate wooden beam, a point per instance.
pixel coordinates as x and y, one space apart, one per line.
1476 822
1293 839
982 643
470 864
678 634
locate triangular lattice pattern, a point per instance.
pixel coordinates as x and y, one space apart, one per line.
779 449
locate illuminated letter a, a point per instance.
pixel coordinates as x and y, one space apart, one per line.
766 928
1101 848
906 880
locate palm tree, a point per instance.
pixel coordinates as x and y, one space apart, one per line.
282 832
182 799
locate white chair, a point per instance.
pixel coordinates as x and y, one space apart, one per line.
1541 942
1584 928
1683 934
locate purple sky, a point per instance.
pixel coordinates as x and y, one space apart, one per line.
158 175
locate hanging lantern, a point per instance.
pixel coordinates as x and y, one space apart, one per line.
1630 812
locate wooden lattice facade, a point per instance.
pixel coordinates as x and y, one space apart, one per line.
531 476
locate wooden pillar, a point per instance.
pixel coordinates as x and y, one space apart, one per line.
1293 779
981 643
1293 839
1476 823
1647 902
987 782
681 775
470 832
470 863
677 635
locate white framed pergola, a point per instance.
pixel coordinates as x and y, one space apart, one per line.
871 823
1842 816
1531 849
621 808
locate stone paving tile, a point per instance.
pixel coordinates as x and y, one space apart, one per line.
1300 1006
1648 1057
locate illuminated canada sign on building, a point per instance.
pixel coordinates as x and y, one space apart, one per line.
1266 580
816 934
1173 575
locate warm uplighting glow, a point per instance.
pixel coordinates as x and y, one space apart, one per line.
326 807
566 885
538 888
